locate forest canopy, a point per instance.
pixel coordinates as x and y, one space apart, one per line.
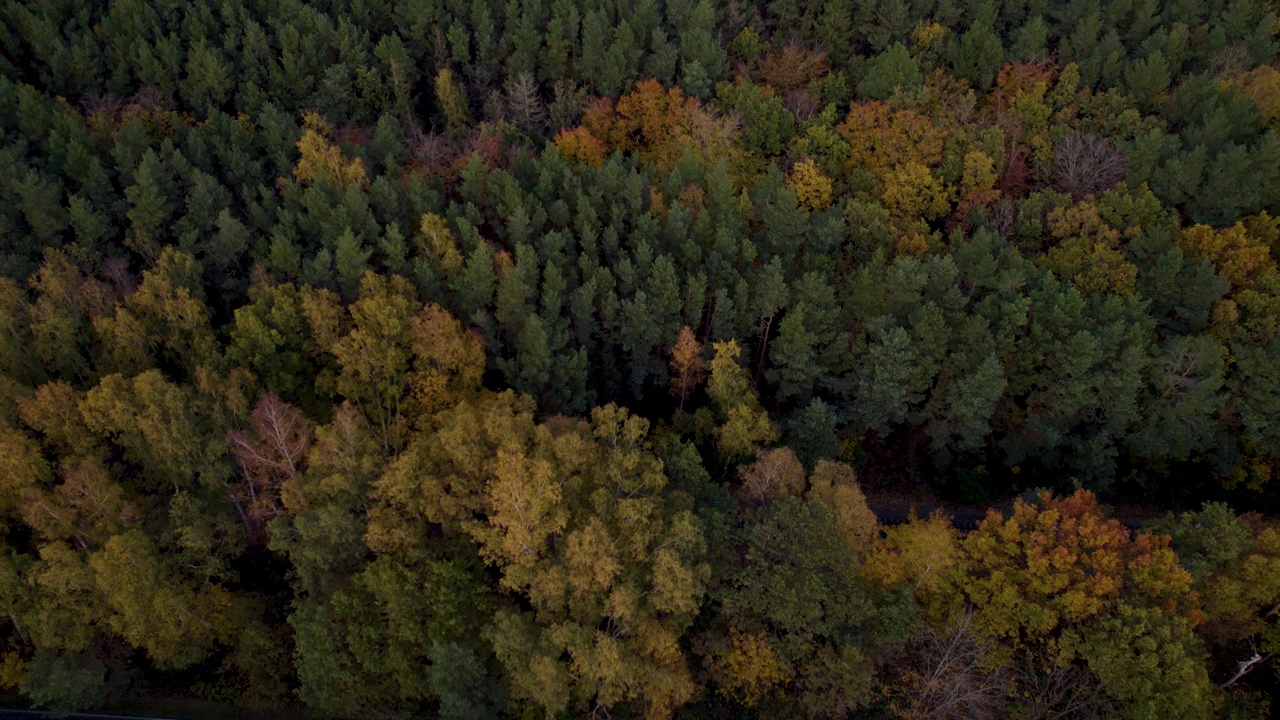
558 359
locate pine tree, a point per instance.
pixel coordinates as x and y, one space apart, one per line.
813 432
150 205
41 202
891 71
1148 77
209 78
398 68
524 106
977 55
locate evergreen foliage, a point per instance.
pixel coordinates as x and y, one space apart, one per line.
509 359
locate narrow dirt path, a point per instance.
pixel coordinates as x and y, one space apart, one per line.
897 510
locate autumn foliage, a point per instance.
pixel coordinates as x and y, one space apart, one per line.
484 360
881 138
578 145
1235 254
813 188
688 366
318 157
274 453
659 124
1047 568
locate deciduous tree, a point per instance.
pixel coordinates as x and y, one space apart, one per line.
579 526
273 454
1049 567
688 366
826 653
745 425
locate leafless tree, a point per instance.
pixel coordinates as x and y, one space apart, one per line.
775 475
951 677
431 152
494 107
1244 667
283 435
1004 216
800 103
153 98
1230 60
440 55
1085 164
738 17
101 104
1051 691
1183 371
523 104
116 271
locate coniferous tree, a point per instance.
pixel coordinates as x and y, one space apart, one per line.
296 356
891 71
523 104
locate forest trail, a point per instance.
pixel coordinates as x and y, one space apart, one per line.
897 510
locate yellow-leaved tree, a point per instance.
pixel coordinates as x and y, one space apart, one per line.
744 426
1236 255
911 191
611 570
318 156
813 188
579 146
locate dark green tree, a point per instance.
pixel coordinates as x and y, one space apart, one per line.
890 71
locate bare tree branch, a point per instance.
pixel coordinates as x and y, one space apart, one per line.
1087 165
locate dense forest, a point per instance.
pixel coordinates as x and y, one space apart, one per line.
521 359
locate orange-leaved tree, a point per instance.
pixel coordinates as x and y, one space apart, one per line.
1061 562
688 366
881 138
579 146
1085 606
656 123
